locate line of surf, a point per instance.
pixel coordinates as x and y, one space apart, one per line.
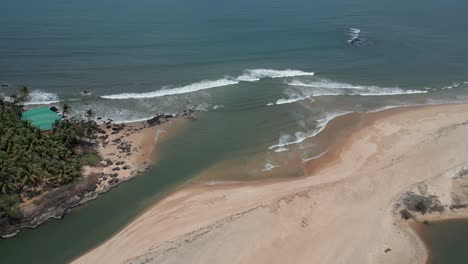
301 90
250 75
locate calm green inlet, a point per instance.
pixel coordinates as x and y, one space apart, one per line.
446 241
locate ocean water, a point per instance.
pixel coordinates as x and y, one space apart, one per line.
268 76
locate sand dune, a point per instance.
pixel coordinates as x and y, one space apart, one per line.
342 213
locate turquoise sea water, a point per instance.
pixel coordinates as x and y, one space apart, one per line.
248 64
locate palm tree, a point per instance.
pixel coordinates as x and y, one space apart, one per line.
2 103
65 109
23 94
90 114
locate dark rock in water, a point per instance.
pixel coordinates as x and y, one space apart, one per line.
355 40
5 85
55 109
85 92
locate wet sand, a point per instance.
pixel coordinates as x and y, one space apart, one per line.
342 212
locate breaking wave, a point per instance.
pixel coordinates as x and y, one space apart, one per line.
250 75
300 136
203 85
293 99
257 74
326 87
323 87
38 97
353 34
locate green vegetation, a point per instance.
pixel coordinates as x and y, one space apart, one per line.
32 161
90 159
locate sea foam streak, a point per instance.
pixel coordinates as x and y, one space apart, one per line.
315 157
38 97
257 74
291 100
203 85
251 75
300 136
301 90
323 87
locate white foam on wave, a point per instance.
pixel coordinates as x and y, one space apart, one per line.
291 100
281 149
250 75
353 34
300 136
324 87
453 85
203 85
38 97
253 75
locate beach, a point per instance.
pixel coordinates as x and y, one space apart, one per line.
345 211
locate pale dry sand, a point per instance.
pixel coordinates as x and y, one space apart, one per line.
342 213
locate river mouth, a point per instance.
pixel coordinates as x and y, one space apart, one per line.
266 75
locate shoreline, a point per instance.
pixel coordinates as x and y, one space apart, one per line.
221 209
126 151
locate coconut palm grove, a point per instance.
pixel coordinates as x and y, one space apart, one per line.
32 160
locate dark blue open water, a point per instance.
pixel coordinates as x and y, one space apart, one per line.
249 64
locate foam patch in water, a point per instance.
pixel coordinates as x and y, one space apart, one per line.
300 136
269 166
38 97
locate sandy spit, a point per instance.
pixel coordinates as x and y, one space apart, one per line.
342 213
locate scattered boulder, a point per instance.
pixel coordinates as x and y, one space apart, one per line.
54 109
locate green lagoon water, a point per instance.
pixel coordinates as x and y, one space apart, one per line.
248 65
446 241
